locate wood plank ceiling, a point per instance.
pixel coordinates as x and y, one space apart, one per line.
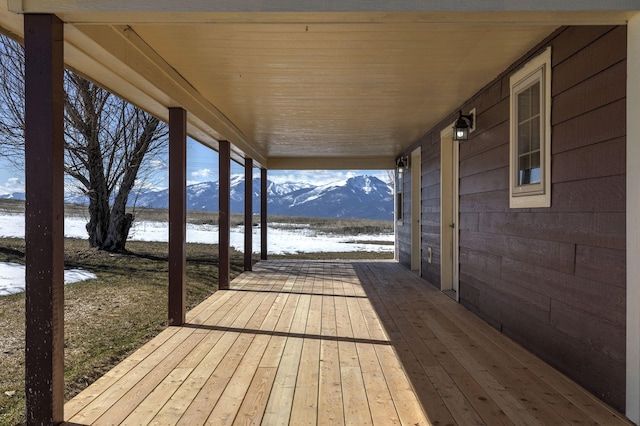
305 90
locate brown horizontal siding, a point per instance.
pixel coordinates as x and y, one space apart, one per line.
554 255
602 124
602 89
605 336
494 201
598 230
593 161
488 181
469 221
573 39
490 134
553 278
602 264
605 194
432 192
573 290
577 357
495 158
529 303
589 60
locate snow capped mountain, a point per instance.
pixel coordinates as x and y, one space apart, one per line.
359 197
364 197
285 188
13 195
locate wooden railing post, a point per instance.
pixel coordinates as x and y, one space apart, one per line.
263 214
224 219
177 215
44 219
248 213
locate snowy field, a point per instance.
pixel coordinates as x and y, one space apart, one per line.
280 241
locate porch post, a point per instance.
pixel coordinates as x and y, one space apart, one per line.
44 224
224 227
177 215
263 214
248 213
633 220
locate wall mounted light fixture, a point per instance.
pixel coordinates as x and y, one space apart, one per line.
464 124
402 163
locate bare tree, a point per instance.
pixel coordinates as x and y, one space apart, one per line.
11 101
107 141
390 176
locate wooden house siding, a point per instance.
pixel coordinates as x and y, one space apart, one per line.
403 228
553 279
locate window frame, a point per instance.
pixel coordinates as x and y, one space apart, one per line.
533 195
399 196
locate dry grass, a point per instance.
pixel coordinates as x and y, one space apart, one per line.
105 319
108 318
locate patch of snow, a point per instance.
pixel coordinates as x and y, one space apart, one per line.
12 278
367 188
281 240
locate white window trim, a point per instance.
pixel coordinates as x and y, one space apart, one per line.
541 197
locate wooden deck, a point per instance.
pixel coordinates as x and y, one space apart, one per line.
312 342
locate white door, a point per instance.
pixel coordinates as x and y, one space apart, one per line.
416 210
449 233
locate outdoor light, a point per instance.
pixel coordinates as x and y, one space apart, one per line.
402 163
464 123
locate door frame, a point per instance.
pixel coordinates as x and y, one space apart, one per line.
449 213
416 210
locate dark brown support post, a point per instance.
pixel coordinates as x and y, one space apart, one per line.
248 213
263 214
44 219
177 215
224 219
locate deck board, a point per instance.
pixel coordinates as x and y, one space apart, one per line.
334 343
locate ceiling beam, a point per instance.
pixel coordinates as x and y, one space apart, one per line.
556 18
65 6
331 163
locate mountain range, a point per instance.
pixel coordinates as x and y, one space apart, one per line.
359 197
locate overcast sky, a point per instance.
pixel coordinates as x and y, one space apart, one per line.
202 166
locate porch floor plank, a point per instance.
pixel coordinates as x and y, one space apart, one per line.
334 343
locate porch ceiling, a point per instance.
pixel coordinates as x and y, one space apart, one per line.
307 89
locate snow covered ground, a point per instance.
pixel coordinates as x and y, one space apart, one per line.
12 277
280 241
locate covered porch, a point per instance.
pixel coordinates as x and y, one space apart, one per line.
334 342
294 85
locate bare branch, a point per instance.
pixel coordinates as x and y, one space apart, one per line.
106 143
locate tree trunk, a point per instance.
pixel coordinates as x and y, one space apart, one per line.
106 140
119 228
98 219
120 222
86 119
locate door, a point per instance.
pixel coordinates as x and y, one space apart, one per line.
449 214
416 210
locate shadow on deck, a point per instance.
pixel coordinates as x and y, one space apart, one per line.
317 342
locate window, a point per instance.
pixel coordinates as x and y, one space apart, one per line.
530 141
399 195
